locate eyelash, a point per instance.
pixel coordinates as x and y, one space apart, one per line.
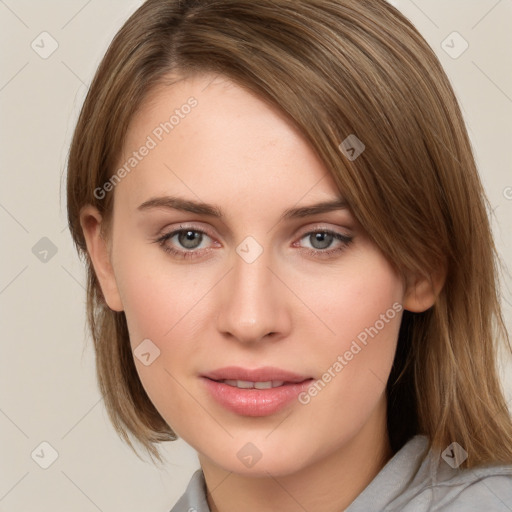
194 253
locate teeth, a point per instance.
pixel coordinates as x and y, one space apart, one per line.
246 384
263 385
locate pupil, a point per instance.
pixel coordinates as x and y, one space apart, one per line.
190 239
321 240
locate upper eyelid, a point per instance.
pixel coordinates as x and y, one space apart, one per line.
168 231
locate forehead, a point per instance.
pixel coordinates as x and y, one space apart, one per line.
210 138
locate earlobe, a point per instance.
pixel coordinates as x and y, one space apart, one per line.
97 248
422 291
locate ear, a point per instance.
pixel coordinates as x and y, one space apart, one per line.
99 253
422 291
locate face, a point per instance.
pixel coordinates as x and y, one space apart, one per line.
260 318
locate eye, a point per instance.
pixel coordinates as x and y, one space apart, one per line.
325 242
190 242
185 242
189 239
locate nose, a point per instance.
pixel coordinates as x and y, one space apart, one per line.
254 305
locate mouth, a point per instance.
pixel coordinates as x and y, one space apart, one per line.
246 384
264 375
255 392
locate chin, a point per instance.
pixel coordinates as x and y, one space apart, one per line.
248 460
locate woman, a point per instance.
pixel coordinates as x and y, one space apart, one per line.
290 261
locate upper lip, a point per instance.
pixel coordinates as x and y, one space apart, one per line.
264 374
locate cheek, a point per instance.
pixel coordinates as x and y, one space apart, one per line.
361 307
164 309
157 296
168 305
359 301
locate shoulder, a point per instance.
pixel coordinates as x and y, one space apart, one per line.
440 487
486 489
194 498
419 479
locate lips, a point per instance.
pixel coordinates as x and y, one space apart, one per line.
264 374
255 392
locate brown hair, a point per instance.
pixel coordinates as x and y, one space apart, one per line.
336 68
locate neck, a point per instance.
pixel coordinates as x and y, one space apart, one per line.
329 485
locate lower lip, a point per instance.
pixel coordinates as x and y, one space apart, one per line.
255 402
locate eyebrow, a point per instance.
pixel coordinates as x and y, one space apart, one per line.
210 210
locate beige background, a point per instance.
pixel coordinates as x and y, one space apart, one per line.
48 389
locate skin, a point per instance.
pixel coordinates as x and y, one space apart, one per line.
214 310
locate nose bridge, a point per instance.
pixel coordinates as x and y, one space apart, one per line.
252 306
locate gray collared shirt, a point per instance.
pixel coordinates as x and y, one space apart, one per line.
406 484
